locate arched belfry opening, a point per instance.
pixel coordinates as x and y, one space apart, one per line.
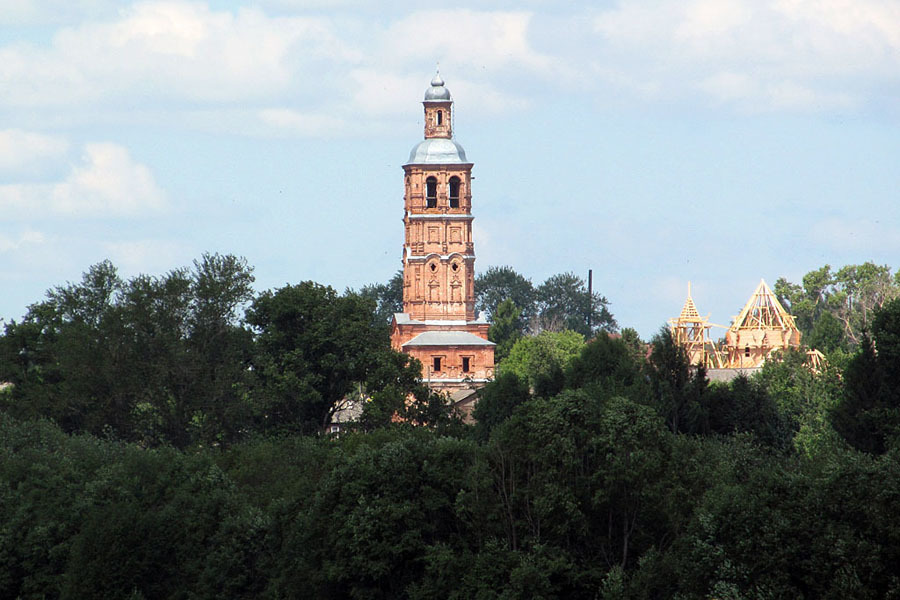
439 325
454 192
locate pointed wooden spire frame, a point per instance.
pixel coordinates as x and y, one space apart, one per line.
691 332
762 327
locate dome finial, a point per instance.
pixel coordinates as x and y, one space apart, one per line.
437 92
437 81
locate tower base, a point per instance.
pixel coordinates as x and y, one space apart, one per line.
455 355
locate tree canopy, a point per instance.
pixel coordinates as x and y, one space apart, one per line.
848 296
162 437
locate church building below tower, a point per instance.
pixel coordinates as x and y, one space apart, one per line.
438 324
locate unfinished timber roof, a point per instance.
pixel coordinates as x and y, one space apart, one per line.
690 331
763 311
762 327
689 310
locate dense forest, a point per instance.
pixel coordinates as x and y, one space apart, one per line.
162 437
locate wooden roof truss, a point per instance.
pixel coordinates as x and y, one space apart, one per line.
691 332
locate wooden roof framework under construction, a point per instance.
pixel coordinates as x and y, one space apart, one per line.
762 328
691 332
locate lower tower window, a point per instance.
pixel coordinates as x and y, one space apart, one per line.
465 364
436 367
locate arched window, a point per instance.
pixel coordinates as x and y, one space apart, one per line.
431 192
440 117
454 192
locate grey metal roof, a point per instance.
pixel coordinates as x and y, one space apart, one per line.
437 151
437 92
448 338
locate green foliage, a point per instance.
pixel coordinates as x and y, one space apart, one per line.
151 359
382 521
678 389
497 401
560 303
606 366
845 299
636 347
868 415
804 398
506 329
744 406
388 298
542 359
827 334
563 303
593 471
503 283
312 345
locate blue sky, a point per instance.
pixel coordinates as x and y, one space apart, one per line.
654 141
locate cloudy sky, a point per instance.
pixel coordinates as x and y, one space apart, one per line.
654 141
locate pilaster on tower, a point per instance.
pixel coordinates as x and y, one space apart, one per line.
438 324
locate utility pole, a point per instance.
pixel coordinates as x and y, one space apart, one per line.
590 299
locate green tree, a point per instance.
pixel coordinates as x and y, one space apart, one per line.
44 491
678 388
503 283
868 415
155 359
388 297
543 358
59 357
850 295
804 398
827 335
384 520
607 366
744 406
629 482
497 401
564 303
312 346
636 347
506 329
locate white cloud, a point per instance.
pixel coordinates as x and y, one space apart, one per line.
107 183
25 239
168 50
782 55
475 39
309 72
25 150
303 70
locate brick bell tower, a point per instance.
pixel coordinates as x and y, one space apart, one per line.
438 324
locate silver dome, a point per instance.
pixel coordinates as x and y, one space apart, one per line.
437 151
437 92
